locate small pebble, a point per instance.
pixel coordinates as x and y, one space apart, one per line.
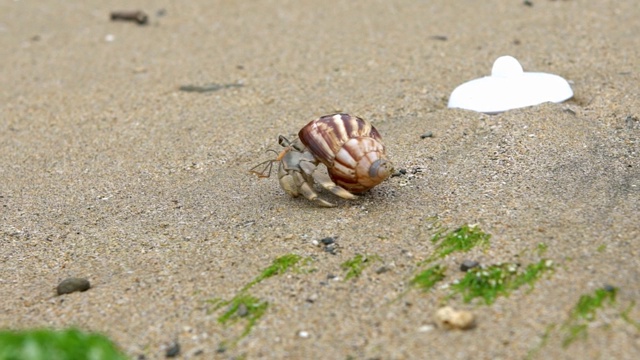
400 172
450 318
425 328
72 284
303 334
630 121
194 352
242 310
173 350
328 241
382 270
439 37
428 134
331 249
468 264
138 17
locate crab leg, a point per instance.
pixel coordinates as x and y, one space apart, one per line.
307 191
308 165
324 181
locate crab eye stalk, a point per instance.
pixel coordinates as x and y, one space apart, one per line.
283 141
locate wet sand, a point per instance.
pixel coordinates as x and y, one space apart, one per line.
110 172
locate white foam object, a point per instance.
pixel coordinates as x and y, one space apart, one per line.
509 87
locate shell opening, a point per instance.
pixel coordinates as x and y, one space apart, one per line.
380 169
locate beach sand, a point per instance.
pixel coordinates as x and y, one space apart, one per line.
108 171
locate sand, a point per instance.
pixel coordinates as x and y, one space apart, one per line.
109 172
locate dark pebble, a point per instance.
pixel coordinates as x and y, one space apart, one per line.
242 310
136 16
468 264
70 285
630 121
400 172
331 249
328 241
198 352
609 288
173 350
428 134
382 270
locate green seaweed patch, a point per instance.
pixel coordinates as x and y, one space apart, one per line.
462 239
243 306
278 266
584 312
542 248
498 280
429 277
354 267
46 344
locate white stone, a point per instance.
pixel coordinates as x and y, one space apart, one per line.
450 318
509 87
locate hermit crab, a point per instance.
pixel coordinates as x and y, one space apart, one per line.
349 146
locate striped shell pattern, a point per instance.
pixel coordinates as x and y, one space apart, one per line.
351 149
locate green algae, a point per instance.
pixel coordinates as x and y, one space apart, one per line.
355 266
493 281
427 278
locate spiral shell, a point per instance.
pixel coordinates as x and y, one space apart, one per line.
351 149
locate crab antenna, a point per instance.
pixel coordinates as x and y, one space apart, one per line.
266 170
